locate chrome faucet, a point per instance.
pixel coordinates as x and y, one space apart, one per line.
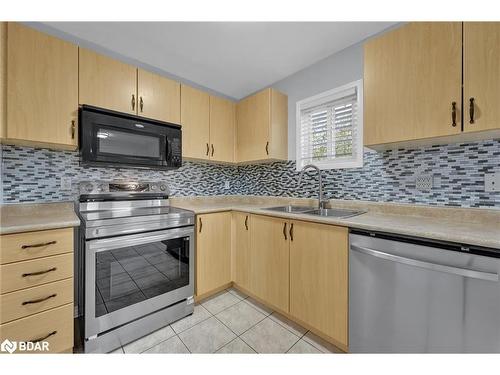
321 202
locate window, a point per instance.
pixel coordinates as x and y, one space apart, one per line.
330 128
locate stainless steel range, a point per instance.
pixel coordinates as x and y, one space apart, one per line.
135 262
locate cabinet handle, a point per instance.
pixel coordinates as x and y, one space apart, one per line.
39 300
208 149
284 231
213 150
454 114
471 110
44 337
267 147
133 102
201 224
291 231
246 222
73 129
141 103
39 244
39 272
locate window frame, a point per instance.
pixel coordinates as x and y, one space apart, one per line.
357 143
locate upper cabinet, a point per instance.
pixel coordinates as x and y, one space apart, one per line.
412 83
222 129
42 88
3 79
158 97
481 76
195 113
262 127
107 83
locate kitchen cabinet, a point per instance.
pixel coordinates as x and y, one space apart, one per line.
3 79
241 252
262 127
41 88
481 76
222 129
158 97
319 278
195 121
213 252
412 83
269 260
36 288
107 83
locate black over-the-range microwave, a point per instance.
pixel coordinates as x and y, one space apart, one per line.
110 138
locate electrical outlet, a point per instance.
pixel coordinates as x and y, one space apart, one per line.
226 184
65 183
492 182
424 182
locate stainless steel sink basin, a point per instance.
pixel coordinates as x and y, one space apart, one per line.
290 209
334 212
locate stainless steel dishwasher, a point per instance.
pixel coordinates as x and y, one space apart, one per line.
419 296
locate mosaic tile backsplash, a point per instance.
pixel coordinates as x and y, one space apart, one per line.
33 175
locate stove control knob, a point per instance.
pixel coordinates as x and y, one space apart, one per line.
87 188
101 188
163 187
154 187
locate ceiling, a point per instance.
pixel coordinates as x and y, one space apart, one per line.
231 58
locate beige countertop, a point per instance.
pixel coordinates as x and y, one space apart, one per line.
480 227
28 217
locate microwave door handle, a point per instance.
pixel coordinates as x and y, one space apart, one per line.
169 150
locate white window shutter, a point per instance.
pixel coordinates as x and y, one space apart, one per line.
329 129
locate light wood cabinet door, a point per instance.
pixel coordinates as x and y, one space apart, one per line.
241 249
412 75
195 121
269 279
482 75
319 277
222 129
159 97
253 122
42 87
213 251
107 83
3 79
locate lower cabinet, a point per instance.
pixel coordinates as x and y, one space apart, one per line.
319 277
269 260
299 268
213 251
241 249
36 290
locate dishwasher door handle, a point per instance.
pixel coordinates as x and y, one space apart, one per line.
427 265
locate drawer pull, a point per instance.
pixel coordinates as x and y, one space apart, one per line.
39 245
39 300
39 272
44 337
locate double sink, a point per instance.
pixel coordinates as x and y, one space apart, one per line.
323 212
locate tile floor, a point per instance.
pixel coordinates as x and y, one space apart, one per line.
230 322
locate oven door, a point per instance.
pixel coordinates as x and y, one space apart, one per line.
132 276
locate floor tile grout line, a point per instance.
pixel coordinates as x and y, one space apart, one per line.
183 343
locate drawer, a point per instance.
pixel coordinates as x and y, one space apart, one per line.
55 325
16 305
30 245
22 275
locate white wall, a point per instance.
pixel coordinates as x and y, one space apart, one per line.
336 70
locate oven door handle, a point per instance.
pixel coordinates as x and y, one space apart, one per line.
104 244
